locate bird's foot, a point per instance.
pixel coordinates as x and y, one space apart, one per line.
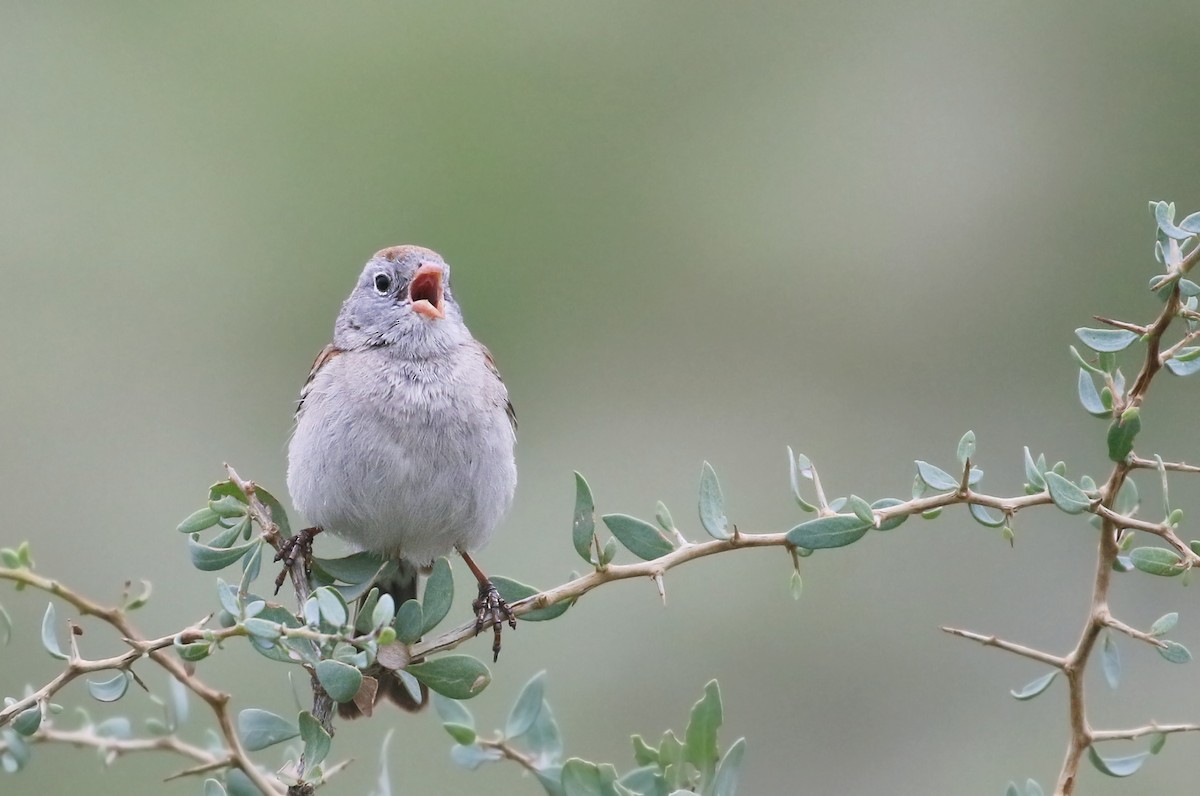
491 606
295 547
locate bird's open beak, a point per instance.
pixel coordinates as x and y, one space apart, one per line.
426 291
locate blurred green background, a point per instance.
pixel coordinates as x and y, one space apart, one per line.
687 231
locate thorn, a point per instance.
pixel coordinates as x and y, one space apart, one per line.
657 577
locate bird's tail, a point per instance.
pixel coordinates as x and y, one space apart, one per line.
402 585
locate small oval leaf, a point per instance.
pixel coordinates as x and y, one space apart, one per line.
824 533
1164 624
409 621
49 636
526 709
199 520
1107 341
935 477
1121 435
894 522
583 527
1110 660
1036 687
109 690
439 595
639 537
984 516
211 559
1066 494
1157 561
453 676
712 504
1175 652
340 680
259 729
1117 766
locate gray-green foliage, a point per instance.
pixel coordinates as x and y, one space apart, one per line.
691 764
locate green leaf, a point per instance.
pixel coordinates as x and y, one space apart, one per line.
796 585
454 676
1083 363
1036 687
861 509
333 609
639 537
729 772
211 559
712 504
439 595
966 448
1090 397
1107 341
316 741
525 710
796 468
340 680
1183 368
199 520
452 711
544 739
583 527
259 729
514 591
700 739
662 515
1175 652
1157 741
1012 790
356 568
1033 473
49 636
609 552
1164 624
823 533
1066 494
409 621
5 627
109 690
1157 561
1127 498
1110 661
27 721
1121 435
581 778
228 506
192 651
1033 789
473 756
214 787
936 478
1117 766
262 629
984 516
460 733
278 515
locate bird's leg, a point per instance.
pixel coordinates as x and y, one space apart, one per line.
489 605
296 545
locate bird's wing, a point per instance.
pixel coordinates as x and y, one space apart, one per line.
327 353
491 365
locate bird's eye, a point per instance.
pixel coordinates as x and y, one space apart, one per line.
383 283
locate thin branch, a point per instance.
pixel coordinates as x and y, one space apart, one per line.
1008 646
1099 736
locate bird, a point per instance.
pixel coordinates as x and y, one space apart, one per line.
404 436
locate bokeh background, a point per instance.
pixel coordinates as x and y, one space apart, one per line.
687 231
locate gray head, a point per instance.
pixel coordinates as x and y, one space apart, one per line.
402 296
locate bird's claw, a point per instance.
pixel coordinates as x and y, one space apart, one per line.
490 606
298 545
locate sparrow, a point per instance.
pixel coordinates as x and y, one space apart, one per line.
404 435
